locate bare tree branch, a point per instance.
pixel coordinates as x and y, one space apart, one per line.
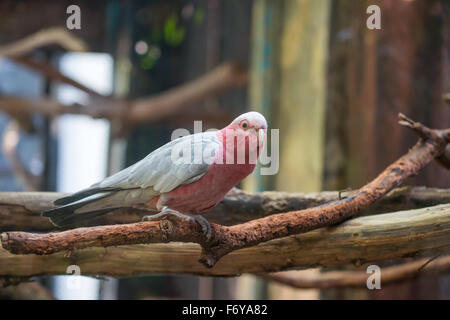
55 35
220 79
227 239
358 279
21 108
143 110
127 113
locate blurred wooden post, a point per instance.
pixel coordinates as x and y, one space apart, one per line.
373 75
369 77
288 85
264 95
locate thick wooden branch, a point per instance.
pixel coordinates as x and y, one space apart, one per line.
226 239
357 241
21 210
358 279
55 35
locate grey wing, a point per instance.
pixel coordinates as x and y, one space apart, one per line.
178 162
181 161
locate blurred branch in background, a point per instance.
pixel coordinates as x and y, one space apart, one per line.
220 79
446 97
358 279
50 36
127 113
142 110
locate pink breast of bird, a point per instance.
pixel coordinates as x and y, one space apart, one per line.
211 188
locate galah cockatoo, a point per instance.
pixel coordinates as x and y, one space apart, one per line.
186 176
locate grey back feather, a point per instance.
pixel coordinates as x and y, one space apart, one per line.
181 161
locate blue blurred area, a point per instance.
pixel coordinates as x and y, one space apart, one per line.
20 82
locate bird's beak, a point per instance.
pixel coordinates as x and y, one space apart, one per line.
261 135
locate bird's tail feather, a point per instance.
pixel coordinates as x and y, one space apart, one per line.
71 219
83 194
66 215
77 208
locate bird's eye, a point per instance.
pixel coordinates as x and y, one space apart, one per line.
244 124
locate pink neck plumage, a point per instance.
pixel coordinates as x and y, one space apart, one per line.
238 147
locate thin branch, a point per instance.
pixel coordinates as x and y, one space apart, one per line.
227 239
21 210
425 133
358 279
401 234
422 131
54 35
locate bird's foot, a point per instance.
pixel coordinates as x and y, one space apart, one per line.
206 226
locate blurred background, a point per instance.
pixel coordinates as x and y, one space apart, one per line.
312 67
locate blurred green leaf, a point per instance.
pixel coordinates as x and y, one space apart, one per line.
199 15
174 34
